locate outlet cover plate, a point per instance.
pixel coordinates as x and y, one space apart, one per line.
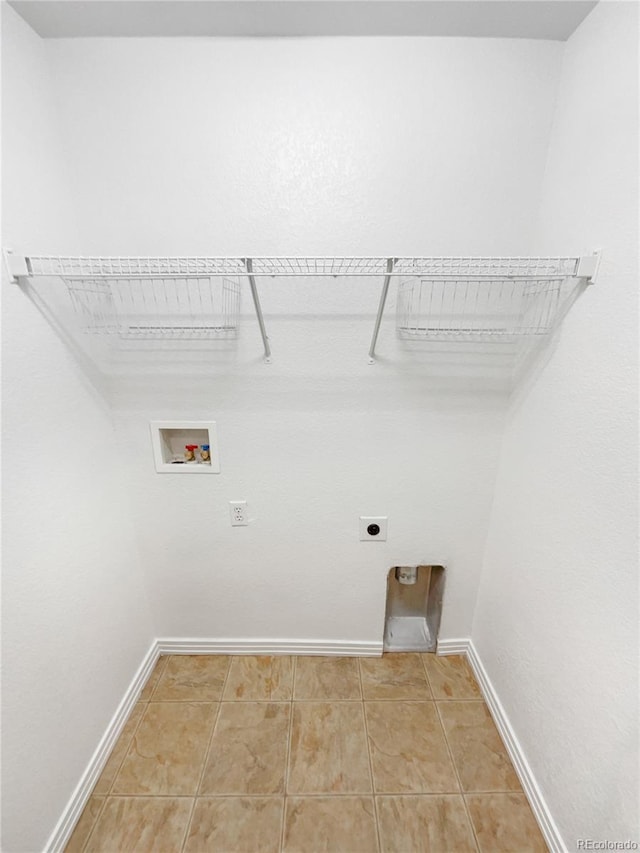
380 520
238 513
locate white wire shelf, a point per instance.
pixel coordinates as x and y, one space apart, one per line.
188 267
194 308
478 309
197 298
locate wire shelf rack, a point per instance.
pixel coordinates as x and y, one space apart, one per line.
198 298
150 267
96 266
478 309
196 308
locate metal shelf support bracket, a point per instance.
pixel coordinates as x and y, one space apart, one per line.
383 299
256 302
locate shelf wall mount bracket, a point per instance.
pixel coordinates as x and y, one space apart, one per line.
256 302
383 300
588 266
17 266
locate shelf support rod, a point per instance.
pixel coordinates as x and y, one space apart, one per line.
256 301
383 299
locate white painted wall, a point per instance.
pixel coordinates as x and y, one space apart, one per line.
275 146
557 618
309 146
75 620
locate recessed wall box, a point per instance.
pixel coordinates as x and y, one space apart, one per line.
170 440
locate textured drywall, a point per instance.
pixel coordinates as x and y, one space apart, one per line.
75 618
303 146
557 619
326 146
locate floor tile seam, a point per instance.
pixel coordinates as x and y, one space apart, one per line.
455 770
150 797
187 825
426 674
491 791
160 674
331 795
311 794
284 824
370 757
448 700
95 822
395 699
444 793
288 753
208 748
325 699
416 796
255 701
126 751
316 794
183 702
204 762
336 701
241 797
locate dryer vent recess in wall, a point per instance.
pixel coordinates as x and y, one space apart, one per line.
414 608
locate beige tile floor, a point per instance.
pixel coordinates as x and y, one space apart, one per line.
305 754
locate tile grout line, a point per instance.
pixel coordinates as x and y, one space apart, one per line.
455 770
126 752
93 825
426 675
109 790
373 784
206 755
294 664
160 674
308 795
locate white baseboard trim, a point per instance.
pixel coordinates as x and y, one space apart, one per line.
536 800
195 646
78 800
453 647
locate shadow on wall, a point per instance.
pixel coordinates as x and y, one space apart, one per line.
319 361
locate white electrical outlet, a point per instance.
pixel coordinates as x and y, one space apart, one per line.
373 528
238 513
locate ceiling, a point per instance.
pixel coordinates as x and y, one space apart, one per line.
533 19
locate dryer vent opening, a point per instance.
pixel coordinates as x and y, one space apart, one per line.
414 608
